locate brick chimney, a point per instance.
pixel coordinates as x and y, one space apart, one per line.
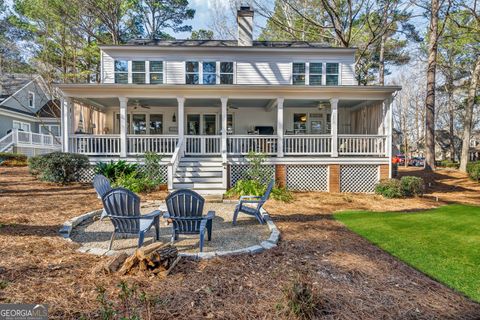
245 26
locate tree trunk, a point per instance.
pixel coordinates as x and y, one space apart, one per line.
381 69
467 131
430 99
451 119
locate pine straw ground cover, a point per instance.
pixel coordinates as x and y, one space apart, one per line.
349 278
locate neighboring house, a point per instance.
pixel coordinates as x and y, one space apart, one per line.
206 104
29 119
443 150
474 152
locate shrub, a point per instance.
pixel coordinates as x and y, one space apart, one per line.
473 170
282 194
407 186
59 167
412 186
389 188
135 182
115 169
12 156
449 164
256 188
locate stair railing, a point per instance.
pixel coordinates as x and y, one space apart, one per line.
7 141
173 164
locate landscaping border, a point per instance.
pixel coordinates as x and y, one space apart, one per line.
271 242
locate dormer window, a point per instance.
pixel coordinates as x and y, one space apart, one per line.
191 72
209 73
31 99
138 72
156 72
121 71
332 74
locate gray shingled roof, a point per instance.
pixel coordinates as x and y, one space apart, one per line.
225 43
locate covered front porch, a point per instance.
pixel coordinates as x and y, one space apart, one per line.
229 126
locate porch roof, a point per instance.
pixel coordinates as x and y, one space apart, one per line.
230 91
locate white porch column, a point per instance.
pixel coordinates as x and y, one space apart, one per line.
181 117
280 101
224 128
66 123
388 130
123 126
334 119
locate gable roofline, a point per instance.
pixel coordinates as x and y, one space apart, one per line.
26 85
226 48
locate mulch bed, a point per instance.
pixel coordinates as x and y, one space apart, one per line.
350 278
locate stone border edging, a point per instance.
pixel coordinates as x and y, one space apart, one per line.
270 243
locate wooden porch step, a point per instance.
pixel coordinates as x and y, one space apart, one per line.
197 180
194 168
195 174
198 186
199 164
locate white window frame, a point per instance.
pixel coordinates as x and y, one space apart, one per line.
156 72
200 72
146 76
123 72
33 99
219 72
147 119
49 128
21 124
322 75
305 74
332 74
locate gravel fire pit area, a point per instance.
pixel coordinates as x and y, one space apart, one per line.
248 236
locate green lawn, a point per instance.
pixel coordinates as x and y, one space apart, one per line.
443 243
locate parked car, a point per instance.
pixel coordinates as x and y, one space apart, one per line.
416 162
401 159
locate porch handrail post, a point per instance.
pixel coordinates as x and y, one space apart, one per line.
389 133
123 126
280 101
15 136
66 123
181 117
334 120
224 101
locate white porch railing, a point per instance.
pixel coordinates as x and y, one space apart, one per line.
371 145
243 144
203 145
211 145
139 144
307 145
6 142
95 144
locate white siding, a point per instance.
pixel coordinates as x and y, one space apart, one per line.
175 72
263 73
348 74
108 75
255 68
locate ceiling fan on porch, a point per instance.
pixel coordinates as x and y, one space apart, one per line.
137 104
229 106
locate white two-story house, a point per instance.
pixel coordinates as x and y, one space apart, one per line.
207 104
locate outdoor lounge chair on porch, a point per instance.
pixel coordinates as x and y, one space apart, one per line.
102 186
253 210
185 209
123 209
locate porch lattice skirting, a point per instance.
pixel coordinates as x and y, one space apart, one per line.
239 171
86 175
359 178
307 177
